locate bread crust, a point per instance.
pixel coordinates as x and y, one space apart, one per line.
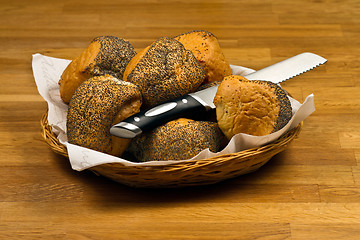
164 70
252 107
97 104
206 49
105 55
176 140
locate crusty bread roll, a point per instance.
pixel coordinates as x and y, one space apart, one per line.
97 104
176 140
164 70
106 55
253 107
207 51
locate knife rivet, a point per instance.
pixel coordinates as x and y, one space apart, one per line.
184 100
136 119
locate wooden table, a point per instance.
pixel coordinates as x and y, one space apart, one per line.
309 191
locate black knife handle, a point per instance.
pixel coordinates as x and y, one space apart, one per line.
158 115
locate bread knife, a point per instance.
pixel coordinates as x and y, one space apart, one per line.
203 100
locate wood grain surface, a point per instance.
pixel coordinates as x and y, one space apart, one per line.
309 191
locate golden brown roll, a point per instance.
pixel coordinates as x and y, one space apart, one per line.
106 55
97 104
252 107
207 51
164 70
176 140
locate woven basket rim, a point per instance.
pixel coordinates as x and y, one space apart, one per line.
51 139
182 173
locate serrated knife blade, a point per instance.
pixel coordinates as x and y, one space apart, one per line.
203 100
288 68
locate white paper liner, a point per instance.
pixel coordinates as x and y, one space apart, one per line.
47 72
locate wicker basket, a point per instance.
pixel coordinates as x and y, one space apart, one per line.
184 173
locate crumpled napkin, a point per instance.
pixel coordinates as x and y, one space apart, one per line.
47 72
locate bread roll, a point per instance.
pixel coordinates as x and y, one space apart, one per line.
164 70
97 104
252 107
106 55
177 140
207 51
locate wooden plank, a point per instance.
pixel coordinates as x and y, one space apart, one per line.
25 111
325 231
339 194
299 174
142 213
20 98
249 30
295 155
148 230
56 186
350 139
